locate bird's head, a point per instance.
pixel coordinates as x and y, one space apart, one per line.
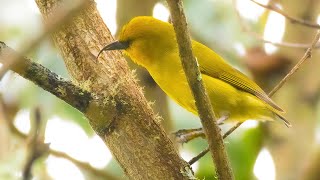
145 39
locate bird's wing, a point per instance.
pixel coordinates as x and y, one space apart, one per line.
239 80
228 74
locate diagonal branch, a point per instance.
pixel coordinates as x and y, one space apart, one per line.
78 98
202 101
47 80
205 151
306 56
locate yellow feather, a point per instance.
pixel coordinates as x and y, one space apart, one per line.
152 44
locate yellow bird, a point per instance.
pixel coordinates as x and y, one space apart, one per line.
152 44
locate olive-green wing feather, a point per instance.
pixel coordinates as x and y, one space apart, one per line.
239 80
216 67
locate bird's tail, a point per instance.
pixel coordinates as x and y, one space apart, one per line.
286 122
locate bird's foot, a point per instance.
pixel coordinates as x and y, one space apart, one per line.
186 135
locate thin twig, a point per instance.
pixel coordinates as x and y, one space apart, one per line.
306 56
245 28
37 147
205 151
202 101
58 18
292 19
199 156
226 134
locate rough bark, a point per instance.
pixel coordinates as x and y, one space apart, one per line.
126 10
135 138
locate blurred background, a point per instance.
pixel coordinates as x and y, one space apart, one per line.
235 30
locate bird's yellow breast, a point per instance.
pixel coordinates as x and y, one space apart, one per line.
152 44
225 99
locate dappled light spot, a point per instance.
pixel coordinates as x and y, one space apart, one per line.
264 168
249 10
273 34
68 137
250 124
187 155
240 49
63 169
107 10
161 12
22 121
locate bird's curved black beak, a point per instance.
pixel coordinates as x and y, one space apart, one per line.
117 45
